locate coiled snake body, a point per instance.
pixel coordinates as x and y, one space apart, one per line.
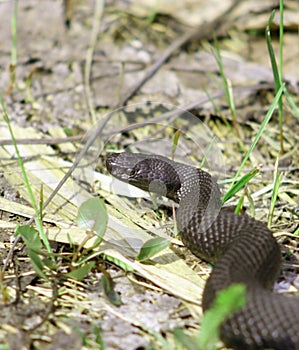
243 249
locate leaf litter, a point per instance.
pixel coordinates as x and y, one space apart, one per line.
165 294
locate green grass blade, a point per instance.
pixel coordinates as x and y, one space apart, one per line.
277 80
14 50
260 132
292 104
185 340
175 142
14 20
281 33
207 153
227 88
277 181
38 215
241 183
277 75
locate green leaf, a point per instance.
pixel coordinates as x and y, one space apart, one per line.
51 263
227 302
109 291
152 247
92 215
118 262
37 264
98 337
175 142
34 245
30 237
81 272
68 131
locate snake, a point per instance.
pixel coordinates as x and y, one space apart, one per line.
240 249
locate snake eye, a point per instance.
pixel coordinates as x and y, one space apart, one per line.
135 173
138 172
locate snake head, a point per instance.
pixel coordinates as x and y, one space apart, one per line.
145 172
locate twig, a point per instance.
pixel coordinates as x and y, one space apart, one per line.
52 141
172 115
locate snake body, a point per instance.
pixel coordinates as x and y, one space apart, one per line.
241 248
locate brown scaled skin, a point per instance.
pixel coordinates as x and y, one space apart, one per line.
242 249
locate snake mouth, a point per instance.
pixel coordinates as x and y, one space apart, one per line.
118 166
110 163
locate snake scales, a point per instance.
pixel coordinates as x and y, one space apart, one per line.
242 249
